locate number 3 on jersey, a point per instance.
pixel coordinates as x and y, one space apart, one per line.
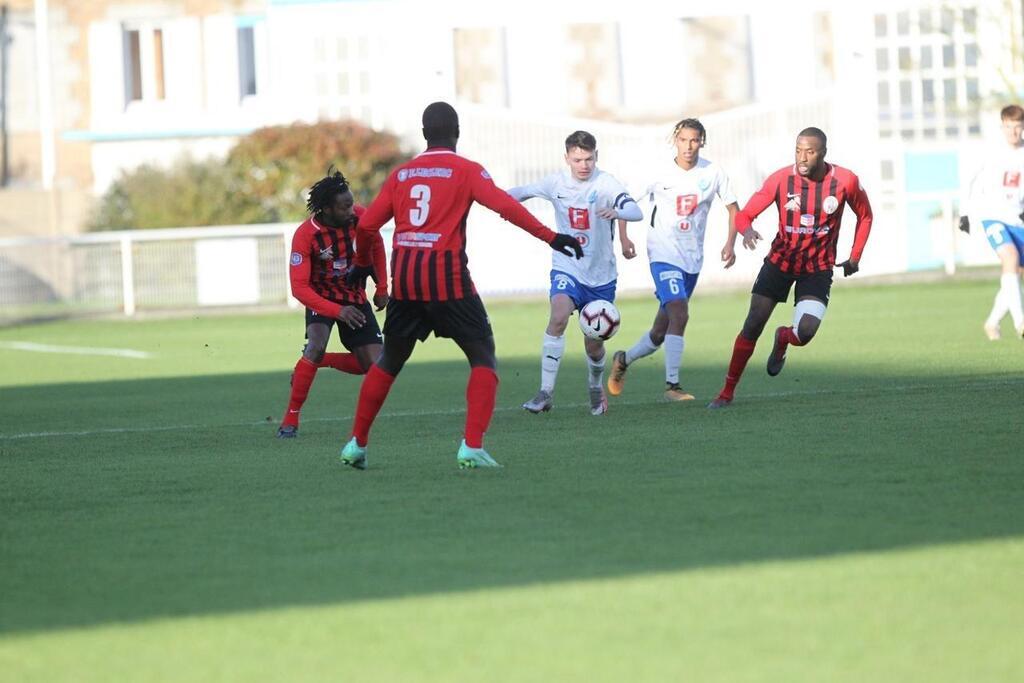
418 214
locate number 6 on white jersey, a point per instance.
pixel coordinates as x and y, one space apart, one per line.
418 214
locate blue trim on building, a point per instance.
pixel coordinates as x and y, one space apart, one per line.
132 136
248 20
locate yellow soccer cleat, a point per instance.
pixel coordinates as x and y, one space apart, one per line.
673 392
617 378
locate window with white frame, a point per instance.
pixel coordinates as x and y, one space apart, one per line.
931 89
143 52
250 38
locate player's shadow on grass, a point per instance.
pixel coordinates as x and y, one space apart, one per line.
194 508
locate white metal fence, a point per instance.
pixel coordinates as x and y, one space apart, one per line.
144 270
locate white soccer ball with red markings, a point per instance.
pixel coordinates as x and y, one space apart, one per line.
599 319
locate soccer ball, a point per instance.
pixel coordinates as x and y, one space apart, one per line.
599 319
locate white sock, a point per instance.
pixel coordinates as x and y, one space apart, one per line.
1011 295
596 372
999 309
551 356
643 347
673 357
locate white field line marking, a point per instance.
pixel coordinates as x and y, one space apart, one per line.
892 389
79 350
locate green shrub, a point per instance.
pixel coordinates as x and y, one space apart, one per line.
265 178
278 164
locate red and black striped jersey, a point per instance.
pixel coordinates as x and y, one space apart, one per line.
320 258
429 197
810 213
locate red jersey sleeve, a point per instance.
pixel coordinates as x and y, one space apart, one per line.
757 203
299 273
379 256
380 264
857 198
502 203
370 223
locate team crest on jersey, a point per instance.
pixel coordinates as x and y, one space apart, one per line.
296 259
703 183
592 197
579 219
830 205
794 202
403 175
685 204
1011 179
582 238
807 220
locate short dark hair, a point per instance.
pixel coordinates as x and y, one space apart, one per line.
581 139
692 124
1012 112
440 121
813 132
323 192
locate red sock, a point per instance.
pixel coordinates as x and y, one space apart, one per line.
346 362
376 385
302 380
788 336
742 349
481 393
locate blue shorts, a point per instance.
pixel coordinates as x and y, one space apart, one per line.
581 295
999 233
672 283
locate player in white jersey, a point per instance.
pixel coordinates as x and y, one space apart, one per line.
677 208
587 202
996 198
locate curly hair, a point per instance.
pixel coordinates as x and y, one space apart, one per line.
323 192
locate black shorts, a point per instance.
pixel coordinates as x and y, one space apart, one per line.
368 334
456 319
774 284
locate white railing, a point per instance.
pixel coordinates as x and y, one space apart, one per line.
145 269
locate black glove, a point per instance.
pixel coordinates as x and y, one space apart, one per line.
965 224
356 276
567 245
849 267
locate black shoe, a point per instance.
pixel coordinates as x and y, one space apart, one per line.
287 432
777 360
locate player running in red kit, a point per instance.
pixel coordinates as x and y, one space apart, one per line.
810 196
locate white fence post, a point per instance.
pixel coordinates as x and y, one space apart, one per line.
127 275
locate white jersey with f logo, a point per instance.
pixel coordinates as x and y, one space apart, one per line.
677 212
576 204
997 191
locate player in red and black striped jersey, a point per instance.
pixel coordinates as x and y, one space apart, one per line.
322 253
429 199
810 196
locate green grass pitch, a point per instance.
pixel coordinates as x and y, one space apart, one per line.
858 518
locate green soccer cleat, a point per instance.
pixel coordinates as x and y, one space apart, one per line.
354 455
471 458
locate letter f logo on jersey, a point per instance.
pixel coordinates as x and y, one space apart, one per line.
579 219
685 204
